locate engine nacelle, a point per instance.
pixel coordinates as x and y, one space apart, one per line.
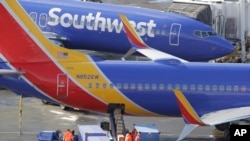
55 38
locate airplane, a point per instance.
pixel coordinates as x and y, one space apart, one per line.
202 93
96 26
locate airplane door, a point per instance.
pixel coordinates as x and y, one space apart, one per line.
174 34
62 85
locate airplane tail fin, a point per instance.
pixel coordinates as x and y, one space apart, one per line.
191 118
21 40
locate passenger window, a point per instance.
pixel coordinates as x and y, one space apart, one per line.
43 16
236 88
214 88
125 86
229 88
153 86
243 88
43 20
207 87
139 86
177 86
184 87
33 16
132 86
147 86
163 32
192 87
157 32
90 85
118 85
111 86
161 87
221 88
104 85
200 87
97 85
170 87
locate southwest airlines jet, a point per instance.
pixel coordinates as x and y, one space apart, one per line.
203 93
96 26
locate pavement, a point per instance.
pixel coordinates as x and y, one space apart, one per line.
37 117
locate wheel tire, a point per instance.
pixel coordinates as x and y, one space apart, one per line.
63 107
227 135
45 102
222 127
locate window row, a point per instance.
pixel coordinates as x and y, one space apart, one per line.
184 87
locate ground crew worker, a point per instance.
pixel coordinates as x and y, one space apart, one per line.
67 136
128 137
137 137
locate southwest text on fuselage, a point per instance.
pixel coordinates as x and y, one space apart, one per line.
97 22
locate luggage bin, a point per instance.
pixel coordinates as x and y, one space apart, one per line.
48 136
92 133
146 132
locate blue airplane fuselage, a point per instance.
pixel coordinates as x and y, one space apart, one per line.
95 26
208 87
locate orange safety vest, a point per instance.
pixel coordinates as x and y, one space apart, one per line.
67 136
128 137
137 137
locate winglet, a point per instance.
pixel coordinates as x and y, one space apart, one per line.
191 118
187 110
138 44
133 37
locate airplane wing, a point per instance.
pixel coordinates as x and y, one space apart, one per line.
160 1
227 115
139 46
9 72
192 119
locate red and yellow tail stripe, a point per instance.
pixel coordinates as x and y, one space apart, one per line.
187 111
133 37
73 64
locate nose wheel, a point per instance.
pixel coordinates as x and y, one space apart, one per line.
63 107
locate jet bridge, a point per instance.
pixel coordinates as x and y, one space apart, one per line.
197 11
233 25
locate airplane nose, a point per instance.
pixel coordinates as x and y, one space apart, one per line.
223 48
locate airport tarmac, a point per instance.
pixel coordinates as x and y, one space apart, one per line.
37 117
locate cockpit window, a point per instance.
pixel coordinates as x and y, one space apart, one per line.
212 33
197 33
204 34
